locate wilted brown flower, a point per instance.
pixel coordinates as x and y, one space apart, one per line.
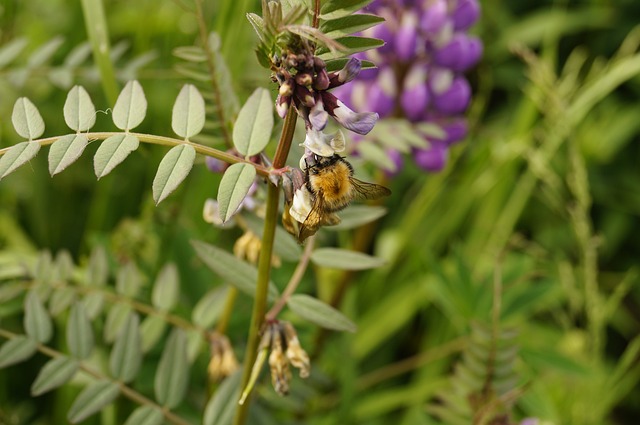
223 361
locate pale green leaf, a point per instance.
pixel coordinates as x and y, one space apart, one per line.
93 304
65 151
208 309
17 350
234 186
376 155
343 259
231 269
45 52
349 24
79 332
285 246
112 152
11 50
61 299
16 156
126 354
37 322
26 119
116 319
358 215
79 112
172 376
145 415
93 399
54 373
173 169
129 280
194 344
9 291
78 55
63 266
152 329
188 114
166 289
252 130
320 313
98 271
190 53
131 106
222 406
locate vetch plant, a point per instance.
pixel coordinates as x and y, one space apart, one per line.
307 51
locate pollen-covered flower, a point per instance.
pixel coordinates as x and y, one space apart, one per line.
223 361
420 70
279 343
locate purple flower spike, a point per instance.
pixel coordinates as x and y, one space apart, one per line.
434 16
465 14
474 53
406 39
415 94
384 31
456 99
432 159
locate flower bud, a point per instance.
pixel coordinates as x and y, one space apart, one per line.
465 14
456 99
460 53
434 16
433 158
415 94
406 39
215 165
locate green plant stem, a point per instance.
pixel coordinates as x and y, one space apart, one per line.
211 65
98 33
223 323
128 392
163 141
296 277
264 263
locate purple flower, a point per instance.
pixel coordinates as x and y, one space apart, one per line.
434 17
455 130
456 99
360 123
406 39
465 14
215 165
415 94
432 158
460 53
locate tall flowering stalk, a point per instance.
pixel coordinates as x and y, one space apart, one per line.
420 70
291 46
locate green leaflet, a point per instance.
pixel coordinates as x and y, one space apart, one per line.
234 186
26 119
320 313
92 399
54 373
16 156
172 376
343 259
79 112
65 151
112 152
252 130
188 115
131 107
173 169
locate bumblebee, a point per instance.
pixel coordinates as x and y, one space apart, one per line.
331 187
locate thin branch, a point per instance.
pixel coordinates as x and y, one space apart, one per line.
296 277
128 392
163 141
211 64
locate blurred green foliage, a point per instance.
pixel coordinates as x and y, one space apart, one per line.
543 197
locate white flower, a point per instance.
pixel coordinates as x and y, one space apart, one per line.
301 206
322 144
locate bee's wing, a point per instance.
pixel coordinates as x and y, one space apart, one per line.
367 191
313 221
